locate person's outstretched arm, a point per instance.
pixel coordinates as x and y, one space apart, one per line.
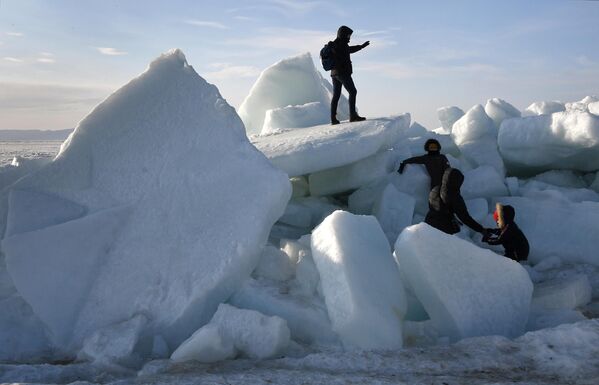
461 211
413 160
356 48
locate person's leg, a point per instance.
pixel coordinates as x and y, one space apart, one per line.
349 85
335 99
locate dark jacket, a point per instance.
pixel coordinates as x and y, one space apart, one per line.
435 163
445 203
509 235
341 51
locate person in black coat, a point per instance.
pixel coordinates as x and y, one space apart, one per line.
342 71
435 162
445 203
508 234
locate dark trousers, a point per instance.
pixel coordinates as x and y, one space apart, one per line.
347 82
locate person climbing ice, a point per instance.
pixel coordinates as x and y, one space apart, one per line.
508 234
435 162
446 202
342 71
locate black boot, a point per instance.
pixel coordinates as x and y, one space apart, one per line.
357 118
334 120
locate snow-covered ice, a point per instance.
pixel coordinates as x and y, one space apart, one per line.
563 140
499 110
559 228
158 210
287 87
475 133
362 289
544 108
144 210
306 316
308 150
233 330
448 116
565 293
466 290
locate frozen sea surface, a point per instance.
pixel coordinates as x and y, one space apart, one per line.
28 149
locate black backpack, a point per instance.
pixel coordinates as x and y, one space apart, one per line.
326 56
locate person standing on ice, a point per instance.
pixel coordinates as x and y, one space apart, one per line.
508 234
445 202
435 162
342 71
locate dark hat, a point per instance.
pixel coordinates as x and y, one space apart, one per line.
344 32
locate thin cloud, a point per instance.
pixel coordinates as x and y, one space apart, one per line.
400 70
15 34
12 59
48 97
46 60
207 24
228 71
245 18
290 40
291 9
110 51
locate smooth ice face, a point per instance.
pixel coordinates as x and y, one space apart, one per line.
556 227
233 331
208 344
475 134
483 182
307 150
467 291
394 211
157 203
361 284
448 116
306 315
544 108
254 334
290 82
499 110
540 190
354 175
562 178
288 117
563 140
114 344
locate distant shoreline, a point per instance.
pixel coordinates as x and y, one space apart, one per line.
30 135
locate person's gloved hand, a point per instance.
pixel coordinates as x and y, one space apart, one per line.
486 234
366 44
402 165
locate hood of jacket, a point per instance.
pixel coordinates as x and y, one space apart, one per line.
505 215
451 184
344 32
432 141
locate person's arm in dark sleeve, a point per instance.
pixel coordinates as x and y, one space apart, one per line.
462 212
413 160
356 48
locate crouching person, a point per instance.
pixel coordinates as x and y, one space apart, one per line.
508 234
445 202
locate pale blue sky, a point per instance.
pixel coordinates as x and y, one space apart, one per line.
59 58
